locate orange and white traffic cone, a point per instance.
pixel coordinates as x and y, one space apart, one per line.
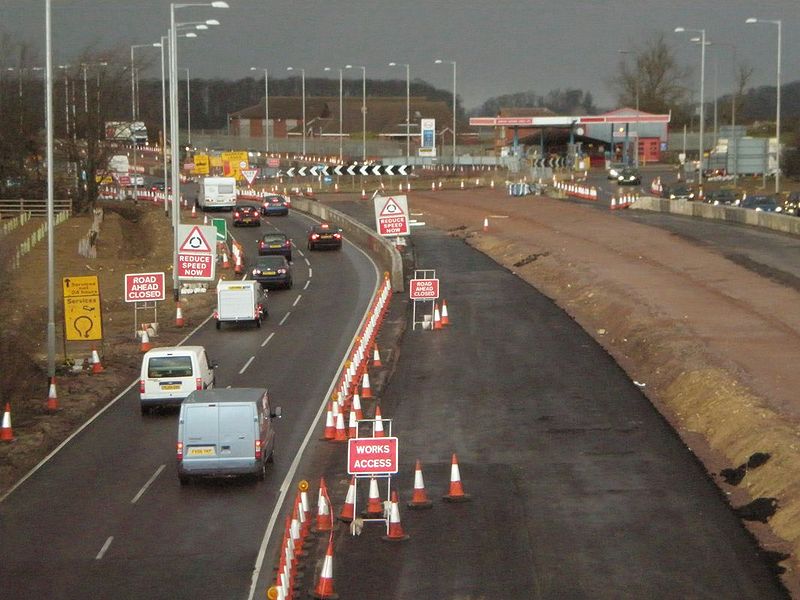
178 315
341 432
97 366
445 316
226 264
145 345
324 516
377 427
238 268
437 319
205 219
376 358
419 499
366 390
456 493
486 224
330 426
52 396
352 425
374 503
355 406
324 588
348 509
363 194
194 211
6 433
395 533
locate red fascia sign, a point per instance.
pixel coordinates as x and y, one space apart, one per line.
144 287
372 456
423 289
194 265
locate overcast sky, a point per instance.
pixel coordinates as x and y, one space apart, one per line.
500 46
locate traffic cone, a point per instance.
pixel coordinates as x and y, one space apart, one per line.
341 432
355 405
146 345
324 587
352 426
238 268
363 194
97 367
330 427
324 516
374 503
205 219
437 319
194 212
419 498
178 315
305 504
456 493
226 264
376 358
395 533
486 224
377 427
349 507
52 397
445 317
6 433
366 391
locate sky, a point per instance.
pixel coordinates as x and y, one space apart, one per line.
500 46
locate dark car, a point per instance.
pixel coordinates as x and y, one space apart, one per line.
324 235
275 205
272 271
158 186
628 176
614 170
246 215
723 196
791 205
275 243
761 202
679 192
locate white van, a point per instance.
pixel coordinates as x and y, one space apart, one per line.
217 193
170 374
225 432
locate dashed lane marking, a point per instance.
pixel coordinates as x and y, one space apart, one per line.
266 341
105 547
286 316
247 364
147 485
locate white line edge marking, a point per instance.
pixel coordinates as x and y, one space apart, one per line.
310 272
147 485
286 316
307 261
247 364
296 300
105 547
266 341
300 252
89 422
305 287
314 425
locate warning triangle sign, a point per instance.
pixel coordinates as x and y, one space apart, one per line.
391 209
195 242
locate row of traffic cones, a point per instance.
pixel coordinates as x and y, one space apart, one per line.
441 318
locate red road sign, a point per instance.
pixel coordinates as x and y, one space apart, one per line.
391 215
195 242
144 287
274 162
423 289
372 456
249 175
195 265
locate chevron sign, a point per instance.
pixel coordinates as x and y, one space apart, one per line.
366 170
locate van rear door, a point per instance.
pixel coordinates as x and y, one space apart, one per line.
237 438
201 436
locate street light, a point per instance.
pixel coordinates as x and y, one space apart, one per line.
439 61
637 76
702 33
303 87
340 111
84 67
133 75
778 101
188 112
363 109
266 108
408 107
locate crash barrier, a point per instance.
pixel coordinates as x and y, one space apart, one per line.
623 201
576 190
732 214
36 208
9 225
384 251
34 238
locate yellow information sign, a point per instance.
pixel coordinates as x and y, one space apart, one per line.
82 313
233 163
201 164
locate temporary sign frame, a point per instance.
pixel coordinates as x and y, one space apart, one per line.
423 309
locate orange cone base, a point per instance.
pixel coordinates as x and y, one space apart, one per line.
454 499
345 518
373 512
395 537
324 594
419 504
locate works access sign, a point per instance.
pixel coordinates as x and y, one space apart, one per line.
197 257
391 215
372 456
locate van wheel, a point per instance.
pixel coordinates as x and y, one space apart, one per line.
262 472
219 325
271 457
184 479
258 322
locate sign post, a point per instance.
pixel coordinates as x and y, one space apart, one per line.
144 290
424 287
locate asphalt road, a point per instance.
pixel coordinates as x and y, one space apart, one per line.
106 516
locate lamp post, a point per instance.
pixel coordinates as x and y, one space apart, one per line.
702 33
303 86
363 109
778 101
51 326
84 67
408 107
340 111
188 111
266 108
174 142
133 76
439 61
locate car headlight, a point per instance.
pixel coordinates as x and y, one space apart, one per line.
691 196
256 272
778 209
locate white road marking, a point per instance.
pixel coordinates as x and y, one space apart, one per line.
300 252
247 364
286 316
417 214
305 287
308 263
104 548
498 216
266 341
310 272
147 485
296 300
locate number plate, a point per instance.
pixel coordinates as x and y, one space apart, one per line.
326 236
269 272
275 245
202 451
170 386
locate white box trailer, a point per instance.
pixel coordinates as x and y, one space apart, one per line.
240 302
217 193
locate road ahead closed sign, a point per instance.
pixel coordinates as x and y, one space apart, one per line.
144 287
372 456
423 289
391 215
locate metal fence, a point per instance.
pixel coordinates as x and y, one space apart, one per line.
36 208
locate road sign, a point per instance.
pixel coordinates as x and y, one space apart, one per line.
249 175
221 225
274 162
423 289
200 164
195 241
144 287
372 456
391 215
82 314
196 260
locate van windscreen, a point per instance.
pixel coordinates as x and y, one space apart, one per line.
225 188
169 366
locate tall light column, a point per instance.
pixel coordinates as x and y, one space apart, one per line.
188 112
133 76
702 33
363 109
303 93
164 125
51 326
266 108
439 61
778 102
340 112
408 107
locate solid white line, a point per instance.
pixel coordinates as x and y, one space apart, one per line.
308 263
305 287
296 300
312 428
300 252
266 341
310 272
286 316
247 364
104 548
89 422
147 485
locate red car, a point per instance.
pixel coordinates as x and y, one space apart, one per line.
246 215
